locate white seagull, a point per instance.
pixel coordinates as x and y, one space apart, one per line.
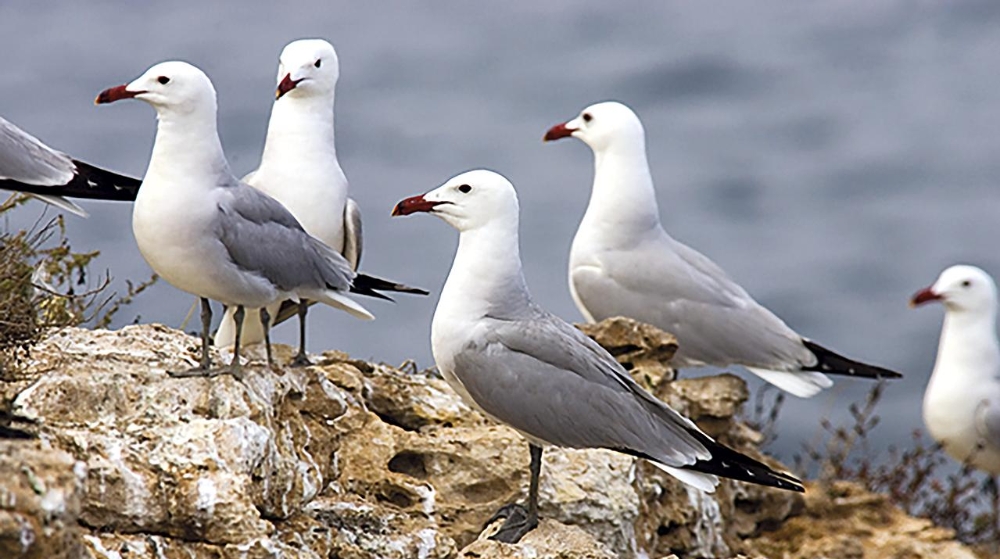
525 367
299 168
622 263
27 165
209 234
962 401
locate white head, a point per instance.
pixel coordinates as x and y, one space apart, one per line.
602 126
307 67
961 289
468 201
172 87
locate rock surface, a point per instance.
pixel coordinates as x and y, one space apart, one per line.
352 460
843 521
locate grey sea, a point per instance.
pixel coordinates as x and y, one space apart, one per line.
832 156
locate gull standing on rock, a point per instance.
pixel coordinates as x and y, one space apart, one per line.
27 165
525 367
622 263
299 168
209 234
962 401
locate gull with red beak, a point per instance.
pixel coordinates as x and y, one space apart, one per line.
623 263
209 234
524 367
962 401
27 165
300 169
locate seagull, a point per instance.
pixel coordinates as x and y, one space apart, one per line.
27 165
962 401
524 367
622 263
207 233
299 168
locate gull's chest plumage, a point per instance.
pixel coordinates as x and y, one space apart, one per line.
314 190
176 234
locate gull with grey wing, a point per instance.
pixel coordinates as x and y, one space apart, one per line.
622 263
525 367
300 169
962 401
207 233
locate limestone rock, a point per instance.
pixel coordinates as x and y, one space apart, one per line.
414 400
843 521
551 540
354 460
645 351
40 491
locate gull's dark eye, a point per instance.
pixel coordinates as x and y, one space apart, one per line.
163 80
464 189
966 283
587 117
318 63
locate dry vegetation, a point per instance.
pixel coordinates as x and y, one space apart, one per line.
45 284
921 478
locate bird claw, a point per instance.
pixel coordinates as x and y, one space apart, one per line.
201 372
301 360
518 522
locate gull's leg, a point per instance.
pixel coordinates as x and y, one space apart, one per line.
265 321
301 360
518 520
234 366
995 483
206 360
206 325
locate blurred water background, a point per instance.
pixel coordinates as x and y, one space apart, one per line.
832 156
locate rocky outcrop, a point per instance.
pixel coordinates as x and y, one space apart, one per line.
344 459
843 521
40 495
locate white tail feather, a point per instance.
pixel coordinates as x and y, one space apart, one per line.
62 204
804 384
698 480
343 302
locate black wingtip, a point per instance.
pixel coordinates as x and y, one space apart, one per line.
728 463
101 184
833 363
89 182
371 286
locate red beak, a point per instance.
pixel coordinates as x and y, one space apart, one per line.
558 131
924 296
117 93
287 84
414 204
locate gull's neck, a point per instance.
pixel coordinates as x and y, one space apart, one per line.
187 145
300 128
968 352
623 200
486 277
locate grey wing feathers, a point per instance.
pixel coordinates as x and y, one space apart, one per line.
262 236
550 381
27 165
353 234
681 291
24 158
988 420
